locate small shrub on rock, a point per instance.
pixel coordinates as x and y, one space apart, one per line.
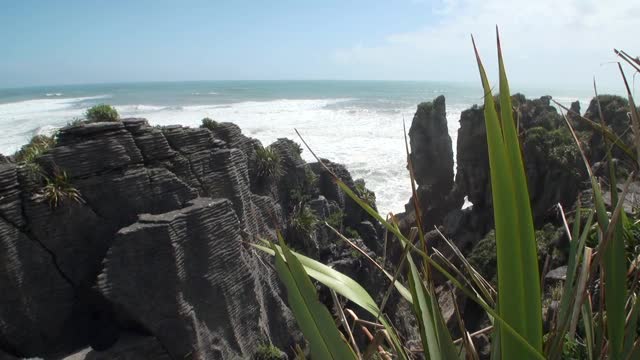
483 257
365 194
102 113
36 147
58 188
268 162
30 152
268 352
351 233
75 122
208 123
298 148
335 219
303 221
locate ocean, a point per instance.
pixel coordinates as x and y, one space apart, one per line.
356 123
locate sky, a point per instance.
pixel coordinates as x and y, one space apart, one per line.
545 42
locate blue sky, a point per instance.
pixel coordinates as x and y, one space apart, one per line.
65 41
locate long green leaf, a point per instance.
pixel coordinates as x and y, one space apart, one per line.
315 321
529 278
346 287
632 327
615 283
528 348
436 339
573 290
518 284
393 228
614 263
589 326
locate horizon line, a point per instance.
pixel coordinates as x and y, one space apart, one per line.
229 80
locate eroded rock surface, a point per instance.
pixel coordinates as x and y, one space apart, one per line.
81 273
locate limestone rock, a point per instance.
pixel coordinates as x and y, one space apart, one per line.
10 201
132 347
614 112
472 177
37 302
92 149
188 140
180 259
77 236
432 160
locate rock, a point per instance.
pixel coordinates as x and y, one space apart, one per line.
614 113
353 213
431 151
432 160
555 171
151 141
131 347
369 235
574 115
37 316
320 207
179 259
327 185
536 113
123 194
446 296
188 140
293 184
472 176
79 245
232 136
559 273
552 161
124 169
630 201
91 149
10 200
223 173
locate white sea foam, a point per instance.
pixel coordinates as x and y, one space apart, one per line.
23 119
369 142
209 93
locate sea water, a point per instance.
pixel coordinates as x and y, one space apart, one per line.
356 123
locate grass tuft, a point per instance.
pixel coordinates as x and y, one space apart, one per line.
29 154
268 162
58 189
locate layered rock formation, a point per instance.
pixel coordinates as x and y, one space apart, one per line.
554 169
555 173
432 160
151 260
151 263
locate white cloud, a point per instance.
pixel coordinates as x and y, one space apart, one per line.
544 42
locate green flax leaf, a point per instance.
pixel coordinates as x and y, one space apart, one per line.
315 321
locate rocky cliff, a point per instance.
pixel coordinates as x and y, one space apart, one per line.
149 261
555 174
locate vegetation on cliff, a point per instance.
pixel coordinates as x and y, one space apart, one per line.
268 162
596 309
208 123
102 113
30 152
58 189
